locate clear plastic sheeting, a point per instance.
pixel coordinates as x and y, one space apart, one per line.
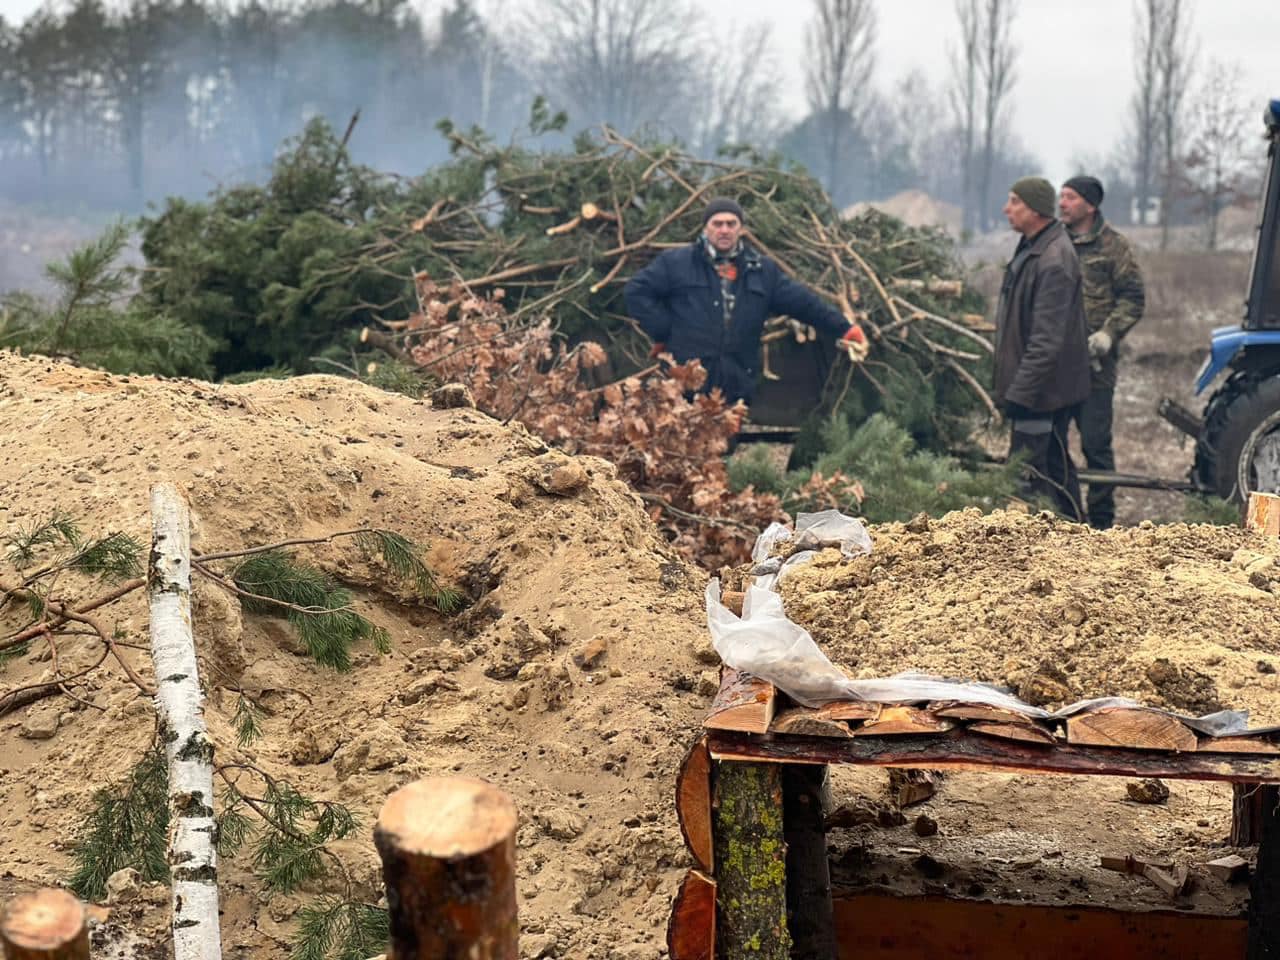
767 644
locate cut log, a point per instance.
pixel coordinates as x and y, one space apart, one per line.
803 722
44 924
903 721
810 919
693 804
848 710
567 227
908 787
591 211
1133 728
744 703
978 711
1250 804
1026 732
751 884
448 849
1229 869
1263 514
193 860
691 933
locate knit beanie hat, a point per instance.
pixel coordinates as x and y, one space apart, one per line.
723 205
1037 193
1089 188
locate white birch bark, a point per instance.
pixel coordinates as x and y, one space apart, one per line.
193 860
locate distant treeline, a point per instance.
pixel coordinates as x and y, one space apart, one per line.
109 108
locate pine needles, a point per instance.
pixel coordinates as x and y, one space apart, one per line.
336 929
274 583
127 827
401 557
58 529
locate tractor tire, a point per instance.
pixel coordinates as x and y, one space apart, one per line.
1239 451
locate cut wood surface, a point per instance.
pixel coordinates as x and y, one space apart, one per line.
45 924
691 932
744 703
903 721
801 721
1237 745
448 858
693 803
848 710
961 750
1263 514
978 711
1026 732
1135 729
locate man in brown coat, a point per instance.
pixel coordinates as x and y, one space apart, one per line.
1042 359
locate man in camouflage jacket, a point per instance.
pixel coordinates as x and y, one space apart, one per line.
1113 303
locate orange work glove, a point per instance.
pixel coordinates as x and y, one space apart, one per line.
854 344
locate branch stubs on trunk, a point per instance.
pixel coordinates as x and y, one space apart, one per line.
750 858
44 925
448 858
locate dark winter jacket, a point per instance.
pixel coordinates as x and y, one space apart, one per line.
1114 295
1042 361
677 301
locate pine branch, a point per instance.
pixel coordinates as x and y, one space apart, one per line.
128 827
336 929
114 558
402 558
247 720
57 528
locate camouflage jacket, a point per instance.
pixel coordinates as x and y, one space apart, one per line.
1113 293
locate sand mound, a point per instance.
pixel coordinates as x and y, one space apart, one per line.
588 754
916 209
1178 616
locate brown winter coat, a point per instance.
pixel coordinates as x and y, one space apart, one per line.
1042 361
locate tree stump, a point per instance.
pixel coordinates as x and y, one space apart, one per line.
44 925
750 858
448 848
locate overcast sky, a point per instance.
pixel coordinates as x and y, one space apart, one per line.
1074 64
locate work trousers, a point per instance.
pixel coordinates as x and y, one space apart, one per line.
1093 417
1047 469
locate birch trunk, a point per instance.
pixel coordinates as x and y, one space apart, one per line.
192 859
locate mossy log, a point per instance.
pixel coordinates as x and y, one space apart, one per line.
750 858
45 924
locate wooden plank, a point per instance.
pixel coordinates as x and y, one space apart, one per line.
875 926
744 703
978 711
1132 728
900 721
693 803
961 750
802 721
691 931
1237 745
1026 732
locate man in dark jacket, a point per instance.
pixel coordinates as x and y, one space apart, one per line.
1114 298
1042 360
709 302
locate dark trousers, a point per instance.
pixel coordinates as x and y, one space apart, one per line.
1094 417
1048 470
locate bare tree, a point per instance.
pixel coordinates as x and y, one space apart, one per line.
1217 161
964 92
996 67
624 62
1174 57
838 78
1145 130
740 95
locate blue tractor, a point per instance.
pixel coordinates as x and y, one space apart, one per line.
1238 438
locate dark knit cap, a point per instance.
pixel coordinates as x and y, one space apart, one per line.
723 205
1037 193
1089 188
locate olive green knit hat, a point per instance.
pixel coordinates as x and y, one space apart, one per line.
1037 193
